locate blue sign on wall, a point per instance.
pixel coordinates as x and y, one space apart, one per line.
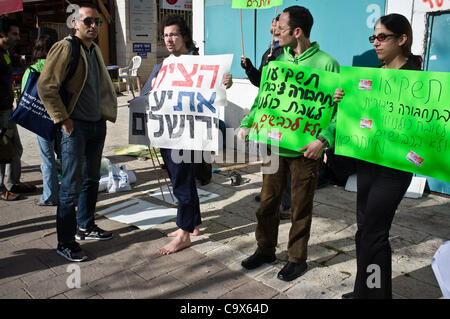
142 47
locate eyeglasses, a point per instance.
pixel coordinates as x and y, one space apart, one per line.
170 35
88 21
381 37
282 29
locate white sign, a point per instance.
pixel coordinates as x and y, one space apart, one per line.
138 121
176 4
187 101
431 5
141 20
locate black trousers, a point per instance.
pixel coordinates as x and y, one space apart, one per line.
380 190
182 177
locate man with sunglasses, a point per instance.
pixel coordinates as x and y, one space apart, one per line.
90 102
294 29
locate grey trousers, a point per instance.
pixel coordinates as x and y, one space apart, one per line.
10 173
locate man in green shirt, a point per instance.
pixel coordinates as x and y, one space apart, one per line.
294 27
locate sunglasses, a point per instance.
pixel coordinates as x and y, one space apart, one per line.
381 37
88 21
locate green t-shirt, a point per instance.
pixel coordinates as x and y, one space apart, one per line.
38 66
314 58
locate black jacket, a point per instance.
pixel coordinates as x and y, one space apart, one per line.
253 74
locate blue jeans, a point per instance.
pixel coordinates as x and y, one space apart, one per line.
49 171
81 154
182 177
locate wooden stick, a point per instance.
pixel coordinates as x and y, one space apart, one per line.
98 216
271 43
242 35
167 184
157 176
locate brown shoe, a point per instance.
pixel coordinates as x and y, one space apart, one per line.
10 196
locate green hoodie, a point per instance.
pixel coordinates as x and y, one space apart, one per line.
38 66
314 58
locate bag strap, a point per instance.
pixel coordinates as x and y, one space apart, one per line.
75 42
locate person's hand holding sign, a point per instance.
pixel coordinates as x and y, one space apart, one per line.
313 150
242 133
338 95
227 80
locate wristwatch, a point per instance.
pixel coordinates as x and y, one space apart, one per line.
324 141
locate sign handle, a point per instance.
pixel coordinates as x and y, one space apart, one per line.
242 35
271 43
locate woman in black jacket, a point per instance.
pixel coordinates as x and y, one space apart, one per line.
380 189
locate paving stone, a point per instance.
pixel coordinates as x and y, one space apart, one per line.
236 266
15 267
197 271
225 255
269 278
309 290
49 288
84 292
38 276
13 290
248 292
411 288
122 285
60 296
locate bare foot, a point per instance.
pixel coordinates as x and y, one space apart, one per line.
181 241
196 232
174 233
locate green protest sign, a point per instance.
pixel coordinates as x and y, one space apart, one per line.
396 118
293 105
255 4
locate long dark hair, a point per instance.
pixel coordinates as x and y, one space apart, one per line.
399 25
41 47
184 30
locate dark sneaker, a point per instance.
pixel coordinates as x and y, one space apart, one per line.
257 259
71 251
292 271
39 203
349 295
94 233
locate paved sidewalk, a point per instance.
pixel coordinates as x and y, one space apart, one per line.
128 266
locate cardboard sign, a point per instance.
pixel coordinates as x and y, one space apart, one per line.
255 4
402 122
294 104
187 101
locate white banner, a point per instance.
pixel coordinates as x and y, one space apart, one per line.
176 4
187 101
137 133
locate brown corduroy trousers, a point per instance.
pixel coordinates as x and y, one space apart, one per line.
304 176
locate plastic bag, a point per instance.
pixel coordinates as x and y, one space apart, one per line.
103 184
117 179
